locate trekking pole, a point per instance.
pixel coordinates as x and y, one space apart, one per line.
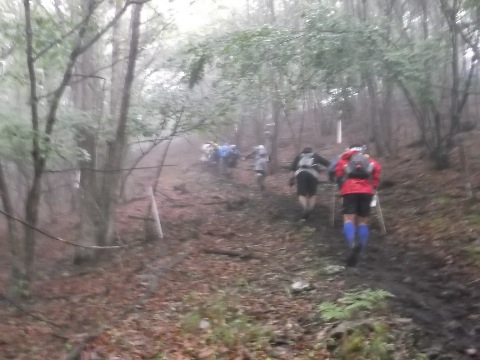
380 215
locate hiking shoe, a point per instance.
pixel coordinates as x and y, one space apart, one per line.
352 259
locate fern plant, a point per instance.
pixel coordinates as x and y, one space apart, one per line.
307 231
353 303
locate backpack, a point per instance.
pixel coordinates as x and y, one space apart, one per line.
358 167
223 151
306 161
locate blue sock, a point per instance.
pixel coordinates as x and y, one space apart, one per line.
349 232
362 230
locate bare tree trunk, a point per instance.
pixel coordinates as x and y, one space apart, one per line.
87 195
88 97
276 108
386 116
112 178
374 112
14 246
302 122
117 66
41 139
373 96
33 197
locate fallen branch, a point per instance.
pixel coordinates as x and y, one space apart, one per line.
137 198
216 202
181 205
140 217
241 255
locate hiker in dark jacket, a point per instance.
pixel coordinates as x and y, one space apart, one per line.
359 177
305 171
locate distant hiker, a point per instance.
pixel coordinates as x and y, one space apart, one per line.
305 171
209 150
233 156
261 164
223 155
358 176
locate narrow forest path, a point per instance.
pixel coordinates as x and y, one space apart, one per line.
220 285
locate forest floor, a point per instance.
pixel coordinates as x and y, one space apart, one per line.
238 277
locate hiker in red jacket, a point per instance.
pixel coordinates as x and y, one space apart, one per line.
358 176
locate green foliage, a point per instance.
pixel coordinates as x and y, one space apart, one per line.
46 30
444 200
474 219
227 324
421 357
411 64
15 139
354 303
366 339
473 252
163 110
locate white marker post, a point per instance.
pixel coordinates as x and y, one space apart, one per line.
154 210
339 131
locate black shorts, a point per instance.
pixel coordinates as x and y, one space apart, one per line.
357 204
306 184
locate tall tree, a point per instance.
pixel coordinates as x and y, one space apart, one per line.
116 154
41 138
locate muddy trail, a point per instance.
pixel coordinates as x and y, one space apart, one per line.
443 302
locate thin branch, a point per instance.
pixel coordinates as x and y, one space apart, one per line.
105 171
35 316
57 238
149 140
